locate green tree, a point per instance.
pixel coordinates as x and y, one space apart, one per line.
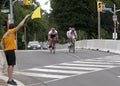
82 14
38 26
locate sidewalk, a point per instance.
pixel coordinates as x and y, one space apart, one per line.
3 83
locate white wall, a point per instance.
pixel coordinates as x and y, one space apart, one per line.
2 61
103 45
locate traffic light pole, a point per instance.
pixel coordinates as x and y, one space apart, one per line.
99 9
98 25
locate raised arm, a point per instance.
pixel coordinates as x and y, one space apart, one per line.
21 23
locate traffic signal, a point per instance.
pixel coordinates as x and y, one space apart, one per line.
99 6
27 2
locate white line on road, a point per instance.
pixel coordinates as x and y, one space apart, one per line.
80 68
88 65
118 76
90 62
41 75
58 71
102 60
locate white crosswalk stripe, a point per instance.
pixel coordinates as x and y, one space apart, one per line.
90 65
90 62
79 68
42 75
57 71
69 69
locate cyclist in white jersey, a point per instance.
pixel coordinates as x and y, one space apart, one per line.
52 36
71 34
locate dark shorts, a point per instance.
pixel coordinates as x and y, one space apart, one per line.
53 36
10 57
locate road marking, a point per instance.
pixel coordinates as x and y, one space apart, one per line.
90 62
102 60
70 69
88 65
80 68
57 71
41 75
118 76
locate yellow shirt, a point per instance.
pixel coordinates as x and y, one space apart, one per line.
9 40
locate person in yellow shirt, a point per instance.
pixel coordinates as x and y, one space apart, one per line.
9 47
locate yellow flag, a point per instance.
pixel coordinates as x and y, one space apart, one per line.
36 13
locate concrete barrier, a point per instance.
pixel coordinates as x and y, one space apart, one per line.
2 61
103 45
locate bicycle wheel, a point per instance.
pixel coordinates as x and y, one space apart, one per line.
50 49
73 49
53 47
74 46
70 47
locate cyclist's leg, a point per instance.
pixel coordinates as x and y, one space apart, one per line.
50 43
53 44
69 43
54 40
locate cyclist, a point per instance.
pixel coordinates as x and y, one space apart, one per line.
71 34
52 36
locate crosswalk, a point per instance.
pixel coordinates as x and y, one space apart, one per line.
73 68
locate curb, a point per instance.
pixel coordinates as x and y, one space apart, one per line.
4 80
3 83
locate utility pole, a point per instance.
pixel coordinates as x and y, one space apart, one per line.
115 22
98 25
99 9
25 42
11 13
11 17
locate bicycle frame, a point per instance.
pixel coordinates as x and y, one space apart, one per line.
72 46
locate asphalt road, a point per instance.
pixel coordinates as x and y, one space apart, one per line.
84 68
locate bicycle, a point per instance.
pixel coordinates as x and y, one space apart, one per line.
71 47
53 48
